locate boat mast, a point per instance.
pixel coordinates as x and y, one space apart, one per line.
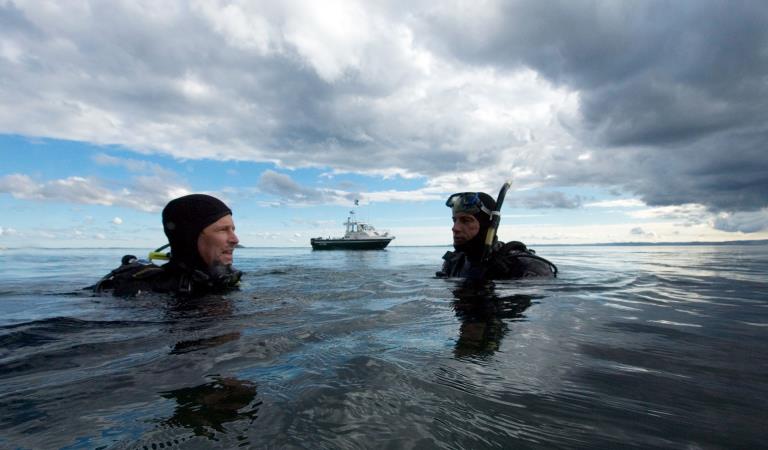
350 223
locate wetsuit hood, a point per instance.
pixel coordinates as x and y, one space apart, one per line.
184 219
475 246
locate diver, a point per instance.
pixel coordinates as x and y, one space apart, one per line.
201 235
479 254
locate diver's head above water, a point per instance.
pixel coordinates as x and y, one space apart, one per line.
201 232
472 213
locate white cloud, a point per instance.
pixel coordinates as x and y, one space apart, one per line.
7 231
374 100
689 212
417 195
133 165
620 203
117 221
148 194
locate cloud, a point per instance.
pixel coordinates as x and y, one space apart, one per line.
620 203
671 96
665 101
694 214
144 193
285 188
7 231
638 231
745 222
288 191
687 212
117 221
546 199
133 165
419 195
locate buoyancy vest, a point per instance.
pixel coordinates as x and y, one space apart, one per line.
135 276
508 261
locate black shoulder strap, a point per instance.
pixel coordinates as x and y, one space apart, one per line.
516 249
130 269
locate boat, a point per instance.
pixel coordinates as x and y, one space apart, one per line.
358 236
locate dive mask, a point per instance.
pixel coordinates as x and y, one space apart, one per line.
467 202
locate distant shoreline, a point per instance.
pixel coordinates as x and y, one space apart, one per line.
597 244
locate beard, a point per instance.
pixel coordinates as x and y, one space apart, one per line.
224 274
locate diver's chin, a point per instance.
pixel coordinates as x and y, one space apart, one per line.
219 268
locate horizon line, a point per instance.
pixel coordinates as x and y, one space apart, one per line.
595 244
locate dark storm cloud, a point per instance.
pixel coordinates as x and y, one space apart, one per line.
741 222
13 21
674 95
541 200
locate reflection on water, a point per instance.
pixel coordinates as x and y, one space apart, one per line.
484 318
203 343
646 347
206 408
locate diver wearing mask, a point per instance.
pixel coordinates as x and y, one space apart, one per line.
472 217
201 234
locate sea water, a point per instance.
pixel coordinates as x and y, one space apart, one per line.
631 347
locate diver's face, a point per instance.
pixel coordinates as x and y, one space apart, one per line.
217 242
465 227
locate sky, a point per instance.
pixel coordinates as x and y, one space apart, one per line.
632 121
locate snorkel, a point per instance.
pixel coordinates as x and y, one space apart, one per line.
159 254
490 235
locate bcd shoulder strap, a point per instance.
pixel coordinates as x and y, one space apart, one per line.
514 258
130 269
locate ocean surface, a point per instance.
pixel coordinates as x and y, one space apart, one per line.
631 347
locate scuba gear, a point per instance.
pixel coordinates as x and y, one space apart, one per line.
508 261
131 269
135 276
469 203
483 257
159 254
490 236
515 260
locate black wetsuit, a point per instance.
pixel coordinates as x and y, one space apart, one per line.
508 261
134 277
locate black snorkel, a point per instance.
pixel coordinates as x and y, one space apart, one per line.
490 235
477 273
